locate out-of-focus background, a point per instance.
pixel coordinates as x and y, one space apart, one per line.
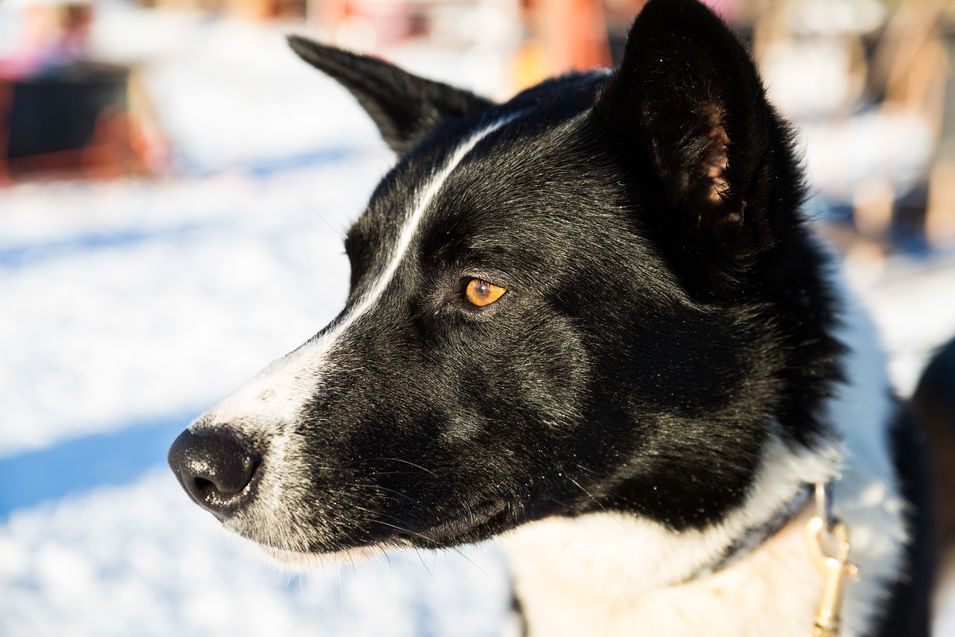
174 187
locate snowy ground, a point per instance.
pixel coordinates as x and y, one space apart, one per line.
132 306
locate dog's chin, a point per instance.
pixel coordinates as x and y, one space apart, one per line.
298 561
476 524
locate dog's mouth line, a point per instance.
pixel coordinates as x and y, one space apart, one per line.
465 524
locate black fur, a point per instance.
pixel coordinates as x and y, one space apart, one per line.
908 610
666 313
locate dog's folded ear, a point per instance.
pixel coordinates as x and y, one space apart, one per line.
405 107
688 112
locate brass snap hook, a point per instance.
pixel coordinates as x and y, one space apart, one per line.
829 547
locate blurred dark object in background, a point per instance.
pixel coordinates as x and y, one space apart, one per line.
61 113
71 120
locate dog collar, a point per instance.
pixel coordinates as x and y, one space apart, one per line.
828 542
753 537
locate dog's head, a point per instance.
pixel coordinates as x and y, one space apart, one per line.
596 296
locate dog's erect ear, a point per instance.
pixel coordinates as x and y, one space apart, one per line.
689 114
405 107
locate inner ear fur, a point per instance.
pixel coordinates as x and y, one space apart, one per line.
688 113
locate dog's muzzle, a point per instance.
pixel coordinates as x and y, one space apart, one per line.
216 468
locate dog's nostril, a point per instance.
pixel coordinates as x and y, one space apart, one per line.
216 468
202 487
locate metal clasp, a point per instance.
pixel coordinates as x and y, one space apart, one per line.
829 547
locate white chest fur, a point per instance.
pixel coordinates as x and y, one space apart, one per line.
772 592
609 574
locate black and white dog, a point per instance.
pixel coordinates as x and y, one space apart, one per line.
592 321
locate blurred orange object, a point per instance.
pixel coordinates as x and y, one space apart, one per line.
565 35
575 33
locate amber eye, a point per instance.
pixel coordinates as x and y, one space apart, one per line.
480 293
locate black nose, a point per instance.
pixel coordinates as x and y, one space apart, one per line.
216 468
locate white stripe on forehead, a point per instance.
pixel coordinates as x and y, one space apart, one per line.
279 392
412 223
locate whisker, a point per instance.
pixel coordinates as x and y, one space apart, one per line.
402 529
408 462
392 491
421 559
588 493
421 535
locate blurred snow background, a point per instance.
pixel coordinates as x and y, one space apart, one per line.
131 306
